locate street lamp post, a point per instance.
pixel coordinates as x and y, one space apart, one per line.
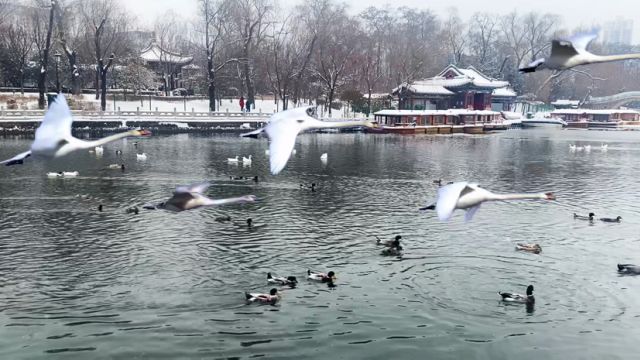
57 55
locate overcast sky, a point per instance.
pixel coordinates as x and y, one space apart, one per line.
574 12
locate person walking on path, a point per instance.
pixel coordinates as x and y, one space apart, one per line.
241 103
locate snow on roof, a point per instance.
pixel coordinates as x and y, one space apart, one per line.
419 87
594 112
505 91
154 53
450 112
452 77
565 102
191 67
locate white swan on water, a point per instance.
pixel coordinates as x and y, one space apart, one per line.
232 160
571 52
246 160
283 127
469 197
53 136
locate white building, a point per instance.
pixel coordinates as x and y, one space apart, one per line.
618 31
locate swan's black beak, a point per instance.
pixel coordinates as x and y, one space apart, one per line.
430 207
550 196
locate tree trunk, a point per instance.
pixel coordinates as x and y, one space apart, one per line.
247 79
103 88
96 82
330 99
42 77
75 83
369 105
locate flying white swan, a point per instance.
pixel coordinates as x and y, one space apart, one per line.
53 137
283 127
469 197
570 52
190 197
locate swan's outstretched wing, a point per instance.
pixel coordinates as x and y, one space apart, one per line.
253 134
470 212
55 127
448 196
563 48
18 159
581 41
197 188
282 135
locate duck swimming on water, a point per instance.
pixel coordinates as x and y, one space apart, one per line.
581 217
612 220
280 280
532 248
629 269
271 298
513 297
318 276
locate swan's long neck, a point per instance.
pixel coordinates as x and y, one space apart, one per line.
233 200
606 58
502 197
108 139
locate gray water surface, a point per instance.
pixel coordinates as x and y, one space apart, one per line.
78 283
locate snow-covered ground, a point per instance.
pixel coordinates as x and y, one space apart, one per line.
197 105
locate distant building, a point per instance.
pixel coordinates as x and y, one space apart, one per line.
456 88
619 31
167 65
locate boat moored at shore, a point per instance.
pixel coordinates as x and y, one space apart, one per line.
452 121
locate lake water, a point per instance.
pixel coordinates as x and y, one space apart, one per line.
78 283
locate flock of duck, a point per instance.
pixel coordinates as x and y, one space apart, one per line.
53 139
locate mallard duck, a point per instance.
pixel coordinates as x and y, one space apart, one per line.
513 297
392 251
223 218
318 276
534 248
100 207
629 269
271 298
280 280
612 220
581 217
133 210
390 243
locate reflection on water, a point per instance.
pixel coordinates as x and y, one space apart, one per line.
170 285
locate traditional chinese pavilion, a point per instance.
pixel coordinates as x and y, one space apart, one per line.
167 64
456 88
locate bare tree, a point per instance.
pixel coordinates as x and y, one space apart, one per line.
482 40
106 27
19 46
41 24
337 45
454 29
69 30
251 20
538 30
214 14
